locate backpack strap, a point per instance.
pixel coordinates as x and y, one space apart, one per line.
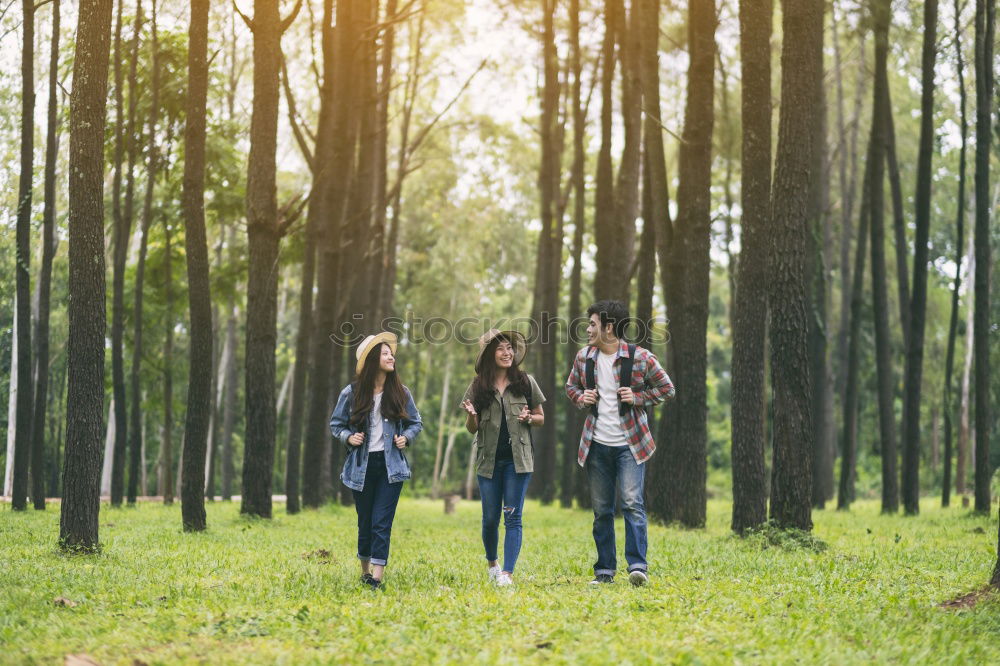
625 375
591 380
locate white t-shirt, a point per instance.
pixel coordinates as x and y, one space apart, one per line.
608 429
376 442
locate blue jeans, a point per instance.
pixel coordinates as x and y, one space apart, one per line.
609 467
506 491
376 506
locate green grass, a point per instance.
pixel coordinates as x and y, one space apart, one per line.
262 592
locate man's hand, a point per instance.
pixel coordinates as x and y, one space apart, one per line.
625 395
399 441
357 439
589 397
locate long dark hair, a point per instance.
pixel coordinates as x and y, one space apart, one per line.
482 386
393 392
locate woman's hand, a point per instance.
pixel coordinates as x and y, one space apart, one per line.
525 415
399 441
357 439
467 406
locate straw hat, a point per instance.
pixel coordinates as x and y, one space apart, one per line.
369 344
516 340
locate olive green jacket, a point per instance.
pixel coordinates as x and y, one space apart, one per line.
521 443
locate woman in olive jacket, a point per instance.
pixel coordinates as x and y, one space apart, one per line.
502 404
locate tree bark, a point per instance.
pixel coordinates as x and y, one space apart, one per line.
750 304
574 481
913 375
548 259
849 433
166 478
685 275
199 397
78 520
614 244
337 173
886 382
23 414
229 406
898 221
817 303
137 469
985 32
949 363
964 415
263 236
848 179
41 399
120 252
801 76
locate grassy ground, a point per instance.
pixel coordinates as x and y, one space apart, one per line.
286 591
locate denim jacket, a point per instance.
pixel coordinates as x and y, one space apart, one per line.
356 463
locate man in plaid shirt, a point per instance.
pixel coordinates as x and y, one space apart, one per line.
616 440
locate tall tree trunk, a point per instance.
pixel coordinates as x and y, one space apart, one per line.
545 304
199 397
750 304
263 236
574 482
886 380
120 250
985 32
357 239
918 299
801 76
337 173
446 406
23 414
613 254
229 405
304 338
964 409
949 363
42 398
849 432
898 220
78 518
166 479
378 276
685 275
137 470
848 179
817 303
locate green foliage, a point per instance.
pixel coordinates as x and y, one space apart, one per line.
287 590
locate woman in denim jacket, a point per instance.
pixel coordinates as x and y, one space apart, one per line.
502 404
375 418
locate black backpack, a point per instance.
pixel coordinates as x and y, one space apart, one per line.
624 377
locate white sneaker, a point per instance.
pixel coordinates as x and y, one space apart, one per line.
504 579
638 577
493 572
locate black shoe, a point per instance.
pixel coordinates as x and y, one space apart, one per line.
602 578
366 578
374 583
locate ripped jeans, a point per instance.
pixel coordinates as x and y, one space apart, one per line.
504 492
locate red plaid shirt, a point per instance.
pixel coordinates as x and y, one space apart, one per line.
650 386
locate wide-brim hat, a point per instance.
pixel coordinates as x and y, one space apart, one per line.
516 340
370 343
